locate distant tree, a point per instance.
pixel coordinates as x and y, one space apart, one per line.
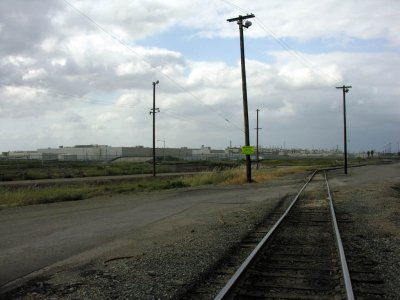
368 153
372 154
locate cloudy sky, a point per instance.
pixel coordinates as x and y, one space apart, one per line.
81 72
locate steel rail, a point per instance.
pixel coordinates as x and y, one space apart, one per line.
345 270
225 290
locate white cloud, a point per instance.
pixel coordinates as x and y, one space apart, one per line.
107 117
216 74
131 68
54 62
49 44
34 74
60 62
129 99
18 61
310 19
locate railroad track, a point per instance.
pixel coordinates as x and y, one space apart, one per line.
301 257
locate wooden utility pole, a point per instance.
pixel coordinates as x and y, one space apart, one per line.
154 111
257 128
345 90
247 24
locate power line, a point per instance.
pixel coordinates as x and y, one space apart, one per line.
99 27
191 120
304 61
310 65
235 6
114 105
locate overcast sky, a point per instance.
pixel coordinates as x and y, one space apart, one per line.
81 71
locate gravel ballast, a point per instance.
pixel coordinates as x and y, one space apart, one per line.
168 258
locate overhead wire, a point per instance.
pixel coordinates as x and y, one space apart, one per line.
101 28
186 119
48 92
97 102
304 61
283 44
307 63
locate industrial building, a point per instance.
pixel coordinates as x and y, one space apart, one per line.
140 153
107 153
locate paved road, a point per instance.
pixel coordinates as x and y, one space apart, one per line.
38 236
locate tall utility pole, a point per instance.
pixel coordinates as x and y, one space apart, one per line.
247 24
345 90
154 111
257 138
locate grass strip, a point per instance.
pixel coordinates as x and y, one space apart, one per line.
29 195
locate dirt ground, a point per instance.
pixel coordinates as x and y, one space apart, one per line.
170 256
367 203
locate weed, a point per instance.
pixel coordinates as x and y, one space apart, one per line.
28 195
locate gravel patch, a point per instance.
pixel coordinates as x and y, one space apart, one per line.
170 257
164 261
367 204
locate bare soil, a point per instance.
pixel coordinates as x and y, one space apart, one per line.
367 203
169 257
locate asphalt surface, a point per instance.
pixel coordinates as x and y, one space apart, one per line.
36 237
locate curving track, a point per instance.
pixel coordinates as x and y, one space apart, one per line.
301 257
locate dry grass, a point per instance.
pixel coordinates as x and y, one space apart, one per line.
20 196
268 174
238 175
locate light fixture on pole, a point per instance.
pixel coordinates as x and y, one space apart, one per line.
154 111
246 24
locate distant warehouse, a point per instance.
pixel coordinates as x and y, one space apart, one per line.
141 154
106 153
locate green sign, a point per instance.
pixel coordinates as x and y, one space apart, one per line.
248 150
